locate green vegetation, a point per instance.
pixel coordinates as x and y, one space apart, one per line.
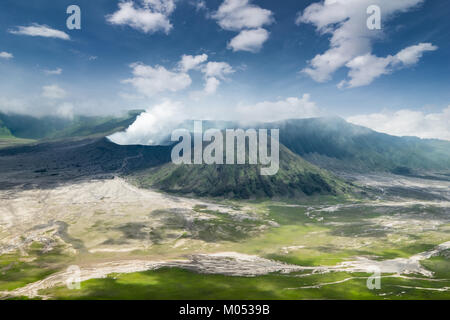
17 271
440 265
316 246
334 143
316 237
304 214
220 227
13 141
181 284
330 143
308 234
50 127
4 131
7 139
83 126
296 178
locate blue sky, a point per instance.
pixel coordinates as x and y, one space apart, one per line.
265 60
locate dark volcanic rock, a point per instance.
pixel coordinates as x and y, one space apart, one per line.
49 163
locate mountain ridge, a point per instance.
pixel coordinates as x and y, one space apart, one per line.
313 154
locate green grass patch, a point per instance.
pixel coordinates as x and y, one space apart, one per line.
17 271
173 283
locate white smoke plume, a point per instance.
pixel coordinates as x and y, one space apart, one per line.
155 125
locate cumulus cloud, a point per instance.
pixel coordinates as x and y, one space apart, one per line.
149 17
6 55
150 80
351 40
152 126
236 15
408 123
57 71
249 40
364 69
246 18
191 62
412 55
53 92
37 30
211 85
217 69
215 72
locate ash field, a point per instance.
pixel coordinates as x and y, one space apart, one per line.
89 203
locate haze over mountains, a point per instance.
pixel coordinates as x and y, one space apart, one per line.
310 150
52 127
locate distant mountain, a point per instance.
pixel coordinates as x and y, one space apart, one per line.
335 144
46 164
27 127
309 147
51 127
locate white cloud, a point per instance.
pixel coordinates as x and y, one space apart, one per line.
152 126
65 110
408 123
150 80
211 85
157 123
248 19
345 21
37 30
57 71
26 105
364 69
199 5
191 62
6 55
236 15
150 17
18 105
164 6
290 108
53 92
249 40
412 55
214 72
217 69
37 105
